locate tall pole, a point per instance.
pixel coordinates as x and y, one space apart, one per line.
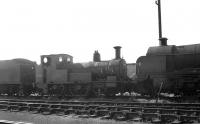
159 18
162 40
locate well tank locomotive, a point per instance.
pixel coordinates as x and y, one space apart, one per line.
64 77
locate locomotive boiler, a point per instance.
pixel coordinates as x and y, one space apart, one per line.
62 76
17 76
170 69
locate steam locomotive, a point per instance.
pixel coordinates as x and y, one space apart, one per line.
61 76
169 69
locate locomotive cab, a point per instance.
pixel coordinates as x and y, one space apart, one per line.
54 73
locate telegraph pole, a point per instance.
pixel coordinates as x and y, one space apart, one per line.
159 18
162 41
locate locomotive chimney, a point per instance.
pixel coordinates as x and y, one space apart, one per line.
117 52
163 41
96 56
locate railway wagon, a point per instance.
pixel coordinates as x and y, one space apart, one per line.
17 76
62 76
172 69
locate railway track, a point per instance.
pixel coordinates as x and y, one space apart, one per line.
121 111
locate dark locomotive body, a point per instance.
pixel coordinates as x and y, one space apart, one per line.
102 71
172 69
62 76
17 77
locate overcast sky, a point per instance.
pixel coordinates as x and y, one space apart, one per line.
30 28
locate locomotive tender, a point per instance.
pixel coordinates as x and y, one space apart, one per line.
17 76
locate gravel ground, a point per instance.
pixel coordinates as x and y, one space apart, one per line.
54 119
